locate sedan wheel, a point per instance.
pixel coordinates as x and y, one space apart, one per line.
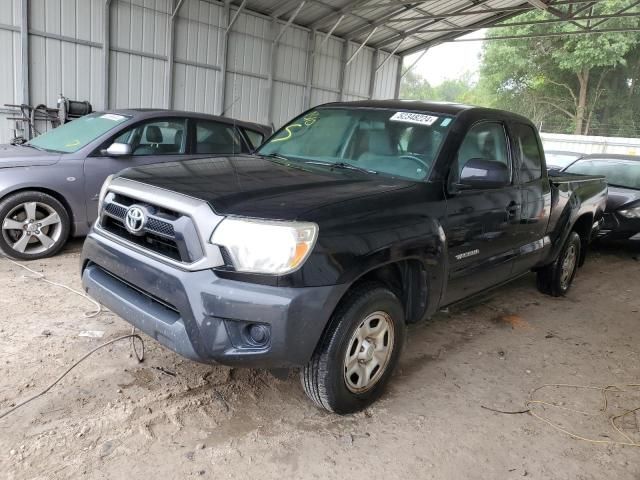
34 225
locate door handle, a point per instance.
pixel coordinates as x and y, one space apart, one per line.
512 210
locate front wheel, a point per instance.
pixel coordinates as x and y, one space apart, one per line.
359 351
34 225
556 279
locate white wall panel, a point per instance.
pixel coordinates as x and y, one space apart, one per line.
291 60
66 56
386 78
246 98
358 72
319 97
249 45
146 91
287 102
327 64
140 26
195 88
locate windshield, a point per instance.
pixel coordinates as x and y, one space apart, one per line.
72 136
619 173
560 160
397 143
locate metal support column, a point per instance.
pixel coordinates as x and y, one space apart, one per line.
396 92
24 51
223 53
106 52
308 77
343 69
273 49
374 70
169 73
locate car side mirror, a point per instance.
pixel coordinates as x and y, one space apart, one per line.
118 150
479 173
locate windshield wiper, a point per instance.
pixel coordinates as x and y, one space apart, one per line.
342 165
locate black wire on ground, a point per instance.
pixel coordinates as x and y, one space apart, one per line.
139 356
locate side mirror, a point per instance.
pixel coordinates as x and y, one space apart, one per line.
479 173
118 150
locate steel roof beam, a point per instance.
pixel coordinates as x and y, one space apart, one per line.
235 16
289 22
533 22
355 54
552 34
417 28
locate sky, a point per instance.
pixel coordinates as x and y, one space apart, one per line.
449 60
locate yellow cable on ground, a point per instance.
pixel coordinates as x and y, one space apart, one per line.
609 388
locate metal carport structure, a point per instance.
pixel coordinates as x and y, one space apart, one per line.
258 60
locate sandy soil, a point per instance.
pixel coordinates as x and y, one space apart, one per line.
113 418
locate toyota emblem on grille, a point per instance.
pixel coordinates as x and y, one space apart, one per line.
135 219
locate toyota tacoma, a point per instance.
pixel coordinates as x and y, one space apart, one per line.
352 221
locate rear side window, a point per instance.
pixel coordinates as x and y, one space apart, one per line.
487 141
216 137
528 150
255 138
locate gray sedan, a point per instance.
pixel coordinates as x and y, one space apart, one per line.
49 187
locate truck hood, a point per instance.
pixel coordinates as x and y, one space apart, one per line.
620 197
253 186
22 156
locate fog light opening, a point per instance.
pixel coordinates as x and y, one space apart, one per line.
258 335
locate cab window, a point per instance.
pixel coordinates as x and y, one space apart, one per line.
486 141
528 152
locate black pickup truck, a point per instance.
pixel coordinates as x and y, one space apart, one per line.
350 222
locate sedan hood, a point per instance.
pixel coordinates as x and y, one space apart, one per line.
253 186
23 156
620 197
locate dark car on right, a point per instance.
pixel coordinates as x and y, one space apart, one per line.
622 215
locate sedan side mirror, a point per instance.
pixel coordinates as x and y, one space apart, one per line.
118 150
479 173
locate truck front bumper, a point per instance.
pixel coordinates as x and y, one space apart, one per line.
204 317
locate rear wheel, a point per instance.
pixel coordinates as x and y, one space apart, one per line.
34 225
555 279
358 353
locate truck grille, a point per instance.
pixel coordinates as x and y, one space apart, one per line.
158 234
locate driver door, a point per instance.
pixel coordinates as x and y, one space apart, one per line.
152 141
482 223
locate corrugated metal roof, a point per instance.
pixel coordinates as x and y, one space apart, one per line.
395 21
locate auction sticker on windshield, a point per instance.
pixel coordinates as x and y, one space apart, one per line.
410 117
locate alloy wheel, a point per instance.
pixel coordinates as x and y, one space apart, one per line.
32 228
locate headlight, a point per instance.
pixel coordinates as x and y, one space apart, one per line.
103 192
630 212
266 246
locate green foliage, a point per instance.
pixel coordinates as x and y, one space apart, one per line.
565 83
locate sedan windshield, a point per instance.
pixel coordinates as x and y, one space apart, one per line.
72 136
619 172
398 143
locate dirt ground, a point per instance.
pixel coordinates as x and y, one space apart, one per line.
113 418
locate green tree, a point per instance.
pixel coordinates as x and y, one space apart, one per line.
565 79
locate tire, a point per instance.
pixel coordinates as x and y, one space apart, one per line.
555 279
33 225
369 309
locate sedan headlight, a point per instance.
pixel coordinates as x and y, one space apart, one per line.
103 192
630 212
266 246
